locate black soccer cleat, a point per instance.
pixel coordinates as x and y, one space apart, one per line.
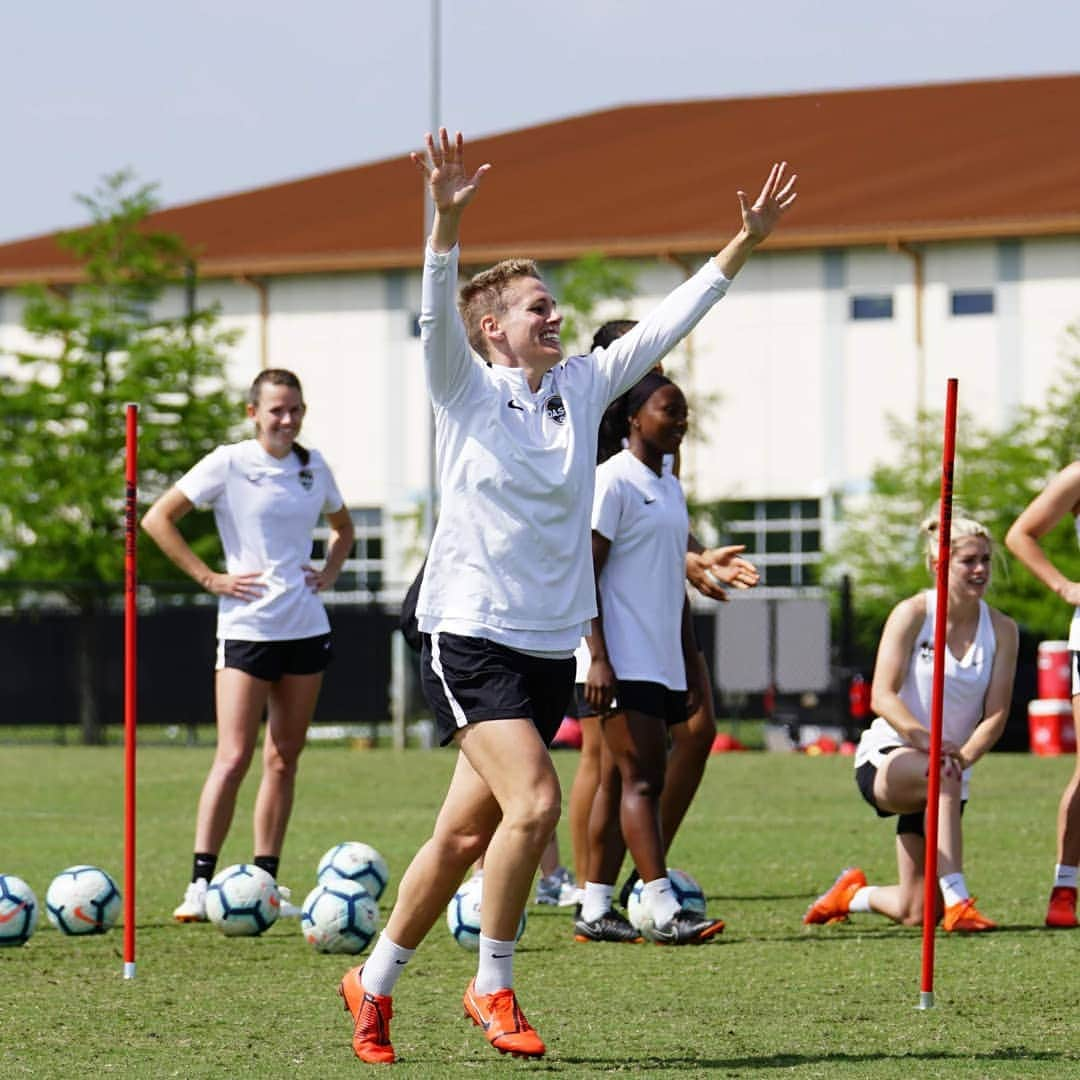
611 926
686 928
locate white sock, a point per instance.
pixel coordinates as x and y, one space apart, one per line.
658 899
1064 875
496 968
384 966
861 900
597 900
953 889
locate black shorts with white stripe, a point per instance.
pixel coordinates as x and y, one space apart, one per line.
468 680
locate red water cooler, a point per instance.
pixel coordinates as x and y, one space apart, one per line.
1050 719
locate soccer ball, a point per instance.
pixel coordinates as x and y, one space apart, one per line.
686 889
242 901
463 914
82 900
356 862
339 916
18 910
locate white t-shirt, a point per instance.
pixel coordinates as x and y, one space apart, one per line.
966 681
641 586
511 556
265 509
1074 626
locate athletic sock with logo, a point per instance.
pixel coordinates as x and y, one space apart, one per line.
203 866
597 900
658 898
496 969
384 966
1064 876
953 889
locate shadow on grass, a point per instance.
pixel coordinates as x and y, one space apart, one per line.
791 1061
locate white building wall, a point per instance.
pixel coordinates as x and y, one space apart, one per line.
794 393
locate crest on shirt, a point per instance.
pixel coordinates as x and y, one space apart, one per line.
926 651
556 409
307 479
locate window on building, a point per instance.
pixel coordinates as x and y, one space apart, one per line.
872 306
972 301
363 571
782 537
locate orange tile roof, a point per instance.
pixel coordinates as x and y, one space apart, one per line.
905 164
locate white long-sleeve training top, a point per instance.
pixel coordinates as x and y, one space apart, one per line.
511 559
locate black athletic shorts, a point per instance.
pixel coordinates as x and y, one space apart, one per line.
270 660
468 680
578 707
652 699
905 823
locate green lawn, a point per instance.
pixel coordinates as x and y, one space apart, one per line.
771 998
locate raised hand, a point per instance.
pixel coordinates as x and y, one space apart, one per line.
450 185
761 217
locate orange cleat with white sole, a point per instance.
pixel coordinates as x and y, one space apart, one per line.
1061 911
963 918
833 905
503 1022
371 1015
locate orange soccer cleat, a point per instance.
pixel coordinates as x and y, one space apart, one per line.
371 1015
1061 911
503 1022
962 917
832 906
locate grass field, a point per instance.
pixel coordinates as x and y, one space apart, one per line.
771 998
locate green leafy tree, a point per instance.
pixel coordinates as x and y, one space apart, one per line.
997 473
582 284
99 345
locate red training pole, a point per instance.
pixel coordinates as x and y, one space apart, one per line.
933 776
130 696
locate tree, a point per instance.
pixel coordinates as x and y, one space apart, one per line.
580 285
98 345
997 473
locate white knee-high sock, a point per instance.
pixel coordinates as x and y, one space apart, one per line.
496 968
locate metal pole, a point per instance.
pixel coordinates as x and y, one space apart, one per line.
434 111
937 697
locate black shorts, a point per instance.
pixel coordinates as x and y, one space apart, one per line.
578 707
468 680
914 824
652 699
270 660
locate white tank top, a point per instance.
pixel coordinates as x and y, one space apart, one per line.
966 683
1074 626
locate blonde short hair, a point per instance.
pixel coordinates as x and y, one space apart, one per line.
485 295
963 527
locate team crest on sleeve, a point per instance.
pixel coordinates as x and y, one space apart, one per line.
307 479
556 409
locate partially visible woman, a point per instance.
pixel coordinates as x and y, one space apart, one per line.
273 636
892 765
1059 499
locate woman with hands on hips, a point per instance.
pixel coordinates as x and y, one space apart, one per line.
267 495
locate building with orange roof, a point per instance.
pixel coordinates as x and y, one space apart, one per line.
937 234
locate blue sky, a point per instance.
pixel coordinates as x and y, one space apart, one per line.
212 96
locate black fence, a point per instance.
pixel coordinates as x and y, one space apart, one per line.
40 674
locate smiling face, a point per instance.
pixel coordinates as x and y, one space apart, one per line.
278 413
524 331
661 422
969 567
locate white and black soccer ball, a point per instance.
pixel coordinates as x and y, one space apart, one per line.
463 914
18 911
687 892
355 862
243 900
82 900
339 916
